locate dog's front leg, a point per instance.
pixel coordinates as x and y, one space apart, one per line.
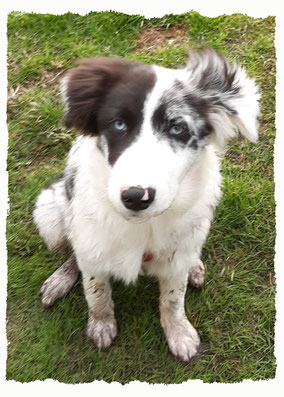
181 336
101 326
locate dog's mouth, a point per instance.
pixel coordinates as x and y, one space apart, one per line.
135 218
141 216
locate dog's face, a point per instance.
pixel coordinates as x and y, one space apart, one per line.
153 123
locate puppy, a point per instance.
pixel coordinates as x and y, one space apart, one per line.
142 181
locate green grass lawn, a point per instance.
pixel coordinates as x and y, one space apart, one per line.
234 312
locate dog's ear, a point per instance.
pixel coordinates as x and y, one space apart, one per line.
84 88
232 96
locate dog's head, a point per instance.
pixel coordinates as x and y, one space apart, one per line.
152 124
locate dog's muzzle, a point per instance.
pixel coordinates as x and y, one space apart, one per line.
136 198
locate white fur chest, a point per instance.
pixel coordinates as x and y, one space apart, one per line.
107 243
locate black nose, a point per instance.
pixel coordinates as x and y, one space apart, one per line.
137 198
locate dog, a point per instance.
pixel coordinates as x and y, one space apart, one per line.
142 180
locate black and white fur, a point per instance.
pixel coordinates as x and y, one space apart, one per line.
142 181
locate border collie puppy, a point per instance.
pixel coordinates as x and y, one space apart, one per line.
142 181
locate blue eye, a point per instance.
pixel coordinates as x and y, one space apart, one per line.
176 130
119 125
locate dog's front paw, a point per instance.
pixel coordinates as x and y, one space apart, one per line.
196 275
102 331
183 340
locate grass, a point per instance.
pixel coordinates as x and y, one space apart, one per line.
234 313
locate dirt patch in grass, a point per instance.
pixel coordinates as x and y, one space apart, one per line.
156 37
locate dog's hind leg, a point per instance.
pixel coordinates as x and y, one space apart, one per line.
49 214
196 274
60 282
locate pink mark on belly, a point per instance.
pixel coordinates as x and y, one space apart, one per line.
147 257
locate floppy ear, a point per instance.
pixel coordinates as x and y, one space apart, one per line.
232 96
84 88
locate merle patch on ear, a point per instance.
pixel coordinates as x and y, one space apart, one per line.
232 94
85 88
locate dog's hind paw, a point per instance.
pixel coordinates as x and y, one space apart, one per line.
102 331
59 283
196 275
